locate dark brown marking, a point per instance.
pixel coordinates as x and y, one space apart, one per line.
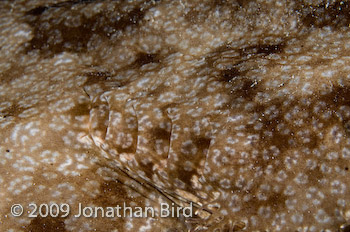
346 228
314 175
145 58
130 149
96 77
40 224
262 49
229 74
243 3
15 71
201 143
160 133
147 168
13 110
336 14
37 10
80 109
40 9
74 39
340 96
347 128
244 88
112 192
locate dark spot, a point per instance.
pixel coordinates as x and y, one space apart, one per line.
96 77
160 133
345 228
185 176
39 224
147 167
201 143
336 14
346 168
12 73
277 199
270 49
145 58
7 150
13 110
132 17
80 109
340 96
62 36
243 87
112 192
38 10
347 128
243 3
262 49
228 74
130 149
172 230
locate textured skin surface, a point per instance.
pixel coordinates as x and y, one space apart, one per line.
240 107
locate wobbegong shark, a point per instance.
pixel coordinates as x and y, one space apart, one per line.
237 109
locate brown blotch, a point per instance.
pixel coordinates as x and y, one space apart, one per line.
336 14
74 39
201 143
262 49
185 176
274 199
244 87
96 77
145 58
41 9
37 10
340 96
112 192
315 174
160 133
15 71
39 224
229 74
147 168
278 139
80 109
130 149
243 3
13 110
345 228
271 135
347 128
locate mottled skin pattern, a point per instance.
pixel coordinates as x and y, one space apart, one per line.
240 107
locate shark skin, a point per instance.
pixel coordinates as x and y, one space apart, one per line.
239 110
